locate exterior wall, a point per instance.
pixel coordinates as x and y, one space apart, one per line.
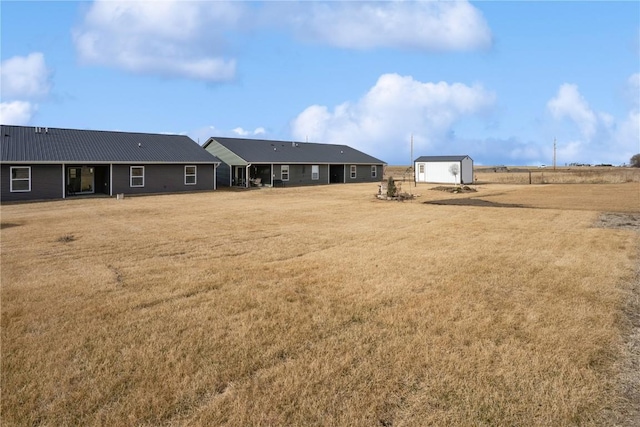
46 183
223 175
162 179
467 171
228 157
300 175
438 172
363 174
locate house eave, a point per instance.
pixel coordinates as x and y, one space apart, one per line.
102 162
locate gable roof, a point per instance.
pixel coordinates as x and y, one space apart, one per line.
441 158
27 144
268 151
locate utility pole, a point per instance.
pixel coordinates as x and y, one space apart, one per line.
411 163
554 153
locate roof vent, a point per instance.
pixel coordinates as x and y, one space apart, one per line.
139 144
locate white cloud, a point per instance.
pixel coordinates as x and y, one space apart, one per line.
202 134
421 25
602 138
23 79
190 38
242 132
25 76
633 89
380 123
16 112
169 37
569 103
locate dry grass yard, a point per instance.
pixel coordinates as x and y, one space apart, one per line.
323 307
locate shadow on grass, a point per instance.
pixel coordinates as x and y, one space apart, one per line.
4 225
474 202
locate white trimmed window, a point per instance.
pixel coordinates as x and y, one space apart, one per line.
284 172
136 176
374 171
20 179
315 172
190 174
353 171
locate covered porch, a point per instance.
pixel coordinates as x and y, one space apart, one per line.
252 175
86 180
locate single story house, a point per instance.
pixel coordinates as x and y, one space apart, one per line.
444 169
50 163
248 162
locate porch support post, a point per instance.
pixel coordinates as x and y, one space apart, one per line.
246 178
328 173
64 187
271 177
110 179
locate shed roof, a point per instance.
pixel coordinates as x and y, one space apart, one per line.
267 151
28 144
440 158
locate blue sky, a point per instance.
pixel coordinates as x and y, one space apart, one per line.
495 80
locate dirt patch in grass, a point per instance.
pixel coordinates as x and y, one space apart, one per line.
67 238
4 225
455 189
474 202
627 221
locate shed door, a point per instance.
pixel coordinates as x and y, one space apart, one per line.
421 172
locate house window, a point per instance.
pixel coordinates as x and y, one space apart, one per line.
353 171
137 176
284 172
20 179
190 175
374 171
315 172
421 167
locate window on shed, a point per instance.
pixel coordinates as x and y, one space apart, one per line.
374 171
20 179
421 167
315 172
136 176
353 171
284 172
190 174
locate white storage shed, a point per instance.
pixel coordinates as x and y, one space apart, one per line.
444 169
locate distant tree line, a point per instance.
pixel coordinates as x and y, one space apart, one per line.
635 160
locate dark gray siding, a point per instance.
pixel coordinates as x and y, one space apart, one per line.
363 174
161 179
46 183
223 175
301 174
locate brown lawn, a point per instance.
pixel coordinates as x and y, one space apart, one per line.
320 306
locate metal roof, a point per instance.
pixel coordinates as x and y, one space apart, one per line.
267 151
28 144
440 158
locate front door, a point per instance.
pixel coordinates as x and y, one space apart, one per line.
80 180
